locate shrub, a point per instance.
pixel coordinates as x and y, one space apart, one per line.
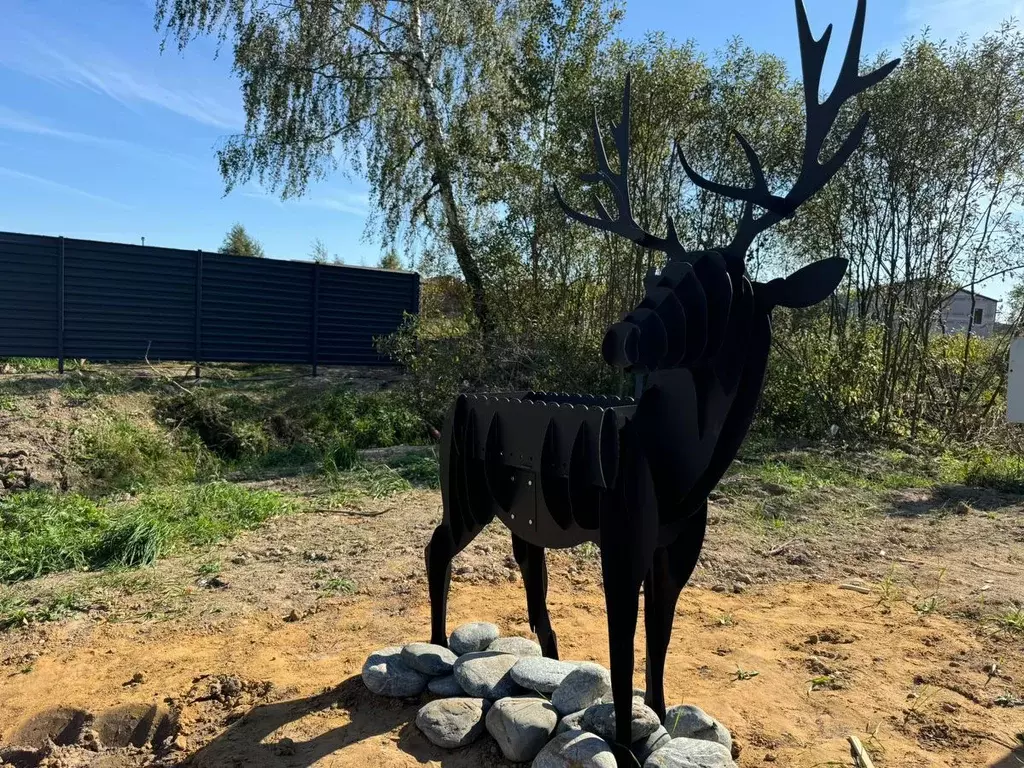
229 425
118 454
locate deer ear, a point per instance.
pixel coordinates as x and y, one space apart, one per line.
812 284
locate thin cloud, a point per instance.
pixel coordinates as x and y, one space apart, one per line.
950 19
11 120
59 187
354 203
104 74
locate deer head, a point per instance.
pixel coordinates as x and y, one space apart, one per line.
690 297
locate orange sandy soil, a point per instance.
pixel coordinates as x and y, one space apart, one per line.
914 687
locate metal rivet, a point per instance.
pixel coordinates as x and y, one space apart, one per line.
529 482
512 516
529 522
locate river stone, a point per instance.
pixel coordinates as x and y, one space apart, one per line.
429 659
452 723
600 719
386 674
445 686
690 753
644 748
608 698
541 675
522 726
517 646
581 688
574 749
573 722
694 723
476 636
485 674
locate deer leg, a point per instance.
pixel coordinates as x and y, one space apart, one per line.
535 578
440 552
629 529
672 567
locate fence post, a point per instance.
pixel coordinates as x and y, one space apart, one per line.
60 306
315 325
199 309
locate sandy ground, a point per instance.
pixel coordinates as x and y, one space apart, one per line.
264 671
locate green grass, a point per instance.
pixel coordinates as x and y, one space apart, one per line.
375 481
43 532
116 453
33 364
19 612
419 470
1012 620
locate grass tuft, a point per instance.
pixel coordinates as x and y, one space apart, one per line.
45 532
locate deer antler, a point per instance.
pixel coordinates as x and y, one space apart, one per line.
618 184
821 117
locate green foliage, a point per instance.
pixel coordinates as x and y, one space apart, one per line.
985 467
238 242
340 457
45 532
42 532
19 612
291 428
372 420
229 424
421 471
116 453
390 260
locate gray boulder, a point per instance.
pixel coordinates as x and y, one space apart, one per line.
429 659
581 688
522 726
694 723
600 719
690 753
472 637
485 674
517 646
574 749
608 698
540 674
445 686
644 748
452 723
573 722
386 674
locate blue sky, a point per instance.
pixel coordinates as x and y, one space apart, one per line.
104 137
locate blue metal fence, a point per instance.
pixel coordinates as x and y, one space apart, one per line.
111 301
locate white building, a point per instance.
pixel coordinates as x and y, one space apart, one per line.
955 316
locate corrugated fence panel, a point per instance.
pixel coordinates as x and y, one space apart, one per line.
124 302
28 296
256 310
357 305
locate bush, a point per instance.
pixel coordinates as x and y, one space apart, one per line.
118 454
229 425
375 420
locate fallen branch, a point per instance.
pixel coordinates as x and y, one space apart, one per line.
856 588
859 753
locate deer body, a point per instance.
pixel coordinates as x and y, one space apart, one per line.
634 476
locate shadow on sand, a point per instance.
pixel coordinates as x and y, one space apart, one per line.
248 741
1013 760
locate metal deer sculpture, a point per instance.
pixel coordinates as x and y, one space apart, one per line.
633 475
